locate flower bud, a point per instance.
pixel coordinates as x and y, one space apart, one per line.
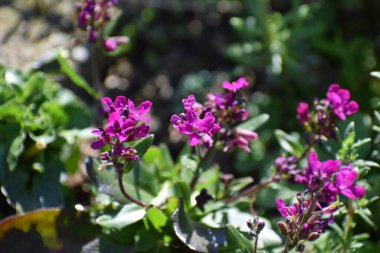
283 228
300 248
313 236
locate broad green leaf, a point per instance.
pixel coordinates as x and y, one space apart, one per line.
145 241
289 143
182 190
238 240
156 218
46 230
73 75
128 215
140 184
254 123
196 236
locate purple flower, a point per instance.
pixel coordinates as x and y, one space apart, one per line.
339 99
323 170
117 127
138 114
123 126
329 193
286 211
188 102
93 15
344 182
303 112
235 86
195 127
111 44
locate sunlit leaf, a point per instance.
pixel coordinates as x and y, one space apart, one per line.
45 230
128 215
196 236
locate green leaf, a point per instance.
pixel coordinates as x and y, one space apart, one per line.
17 147
196 236
73 75
46 230
110 26
366 217
254 123
238 240
141 147
128 215
289 143
235 217
156 218
182 190
141 183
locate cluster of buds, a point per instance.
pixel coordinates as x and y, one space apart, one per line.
287 167
125 124
305 220
93 15
217 119
320 121
255 226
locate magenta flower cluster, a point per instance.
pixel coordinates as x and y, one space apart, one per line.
217 119
125 124
306 219
93 15
320 120
330 178
197 122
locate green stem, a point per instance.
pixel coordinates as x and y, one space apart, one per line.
255 246
249 191
124 192
350 219
204 161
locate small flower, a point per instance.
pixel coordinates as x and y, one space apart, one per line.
235 86
303 112
339 99
344 182
286 211
191 124
110 44
137 115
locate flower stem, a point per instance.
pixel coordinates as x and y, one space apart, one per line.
292 242
255 246
350 219
123 191
204 161
249 191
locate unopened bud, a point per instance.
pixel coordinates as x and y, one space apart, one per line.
283 228
260 227
300 248
250 225
313 236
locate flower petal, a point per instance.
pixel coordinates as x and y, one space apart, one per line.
354 192
194 139
345 178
